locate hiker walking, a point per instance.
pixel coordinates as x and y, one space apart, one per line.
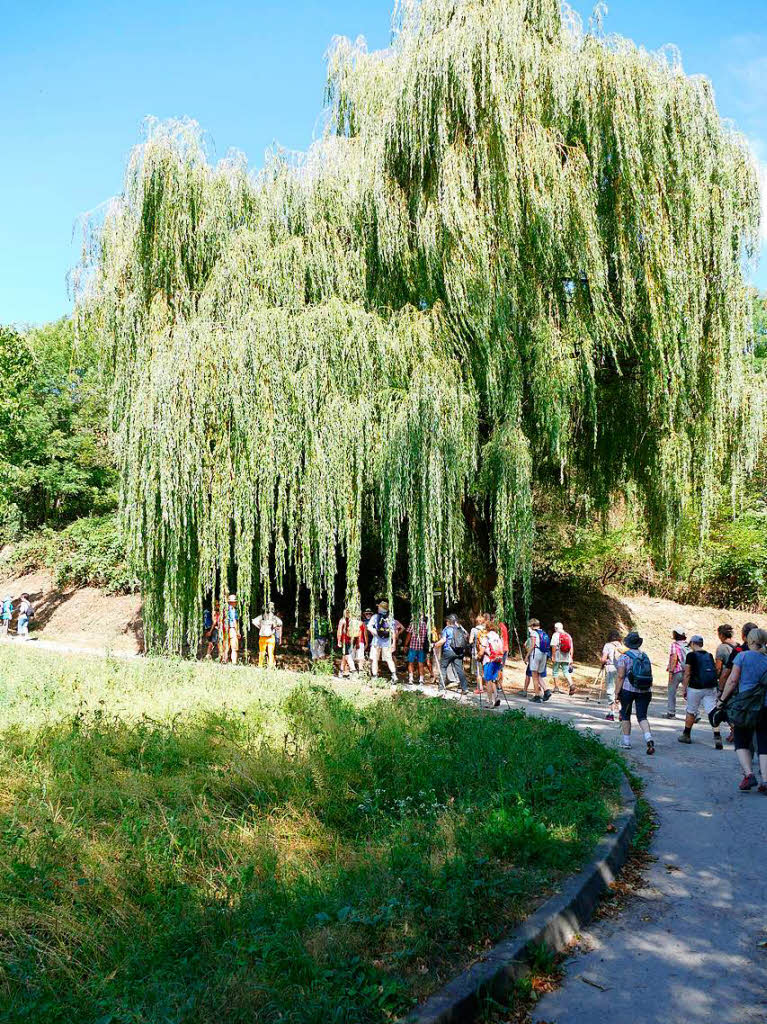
728 666
381 628
477 643
492 663
6 614
724 650
699 686
611 651
749 670
211 624
347 637
677 658
562 658
537 657
417 647
269 626
451 648
634 690
26 612
232 633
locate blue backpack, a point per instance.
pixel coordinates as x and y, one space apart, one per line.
640 673
544 641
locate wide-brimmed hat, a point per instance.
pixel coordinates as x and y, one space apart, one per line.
633 640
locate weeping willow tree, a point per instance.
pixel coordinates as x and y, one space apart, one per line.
515 258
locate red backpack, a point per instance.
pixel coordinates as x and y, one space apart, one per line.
565 642
495 648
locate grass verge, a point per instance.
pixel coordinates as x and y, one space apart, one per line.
184 844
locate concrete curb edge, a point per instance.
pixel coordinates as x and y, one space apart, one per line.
554 925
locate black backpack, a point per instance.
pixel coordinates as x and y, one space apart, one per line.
459 641
706 676
640 673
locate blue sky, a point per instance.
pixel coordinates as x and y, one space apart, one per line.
78 78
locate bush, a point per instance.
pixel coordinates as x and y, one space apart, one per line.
88 553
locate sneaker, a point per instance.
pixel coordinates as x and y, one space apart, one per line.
684 738
747 782
547 695
669 714
536 699
718 745
651 747
497 702
571 691
609 717
762 788
626 746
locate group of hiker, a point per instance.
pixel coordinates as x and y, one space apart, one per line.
222 636
24 613
728 686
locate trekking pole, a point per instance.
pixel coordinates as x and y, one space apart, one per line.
500 683
602 688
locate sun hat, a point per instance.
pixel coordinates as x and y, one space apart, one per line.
680 631
232 599
633 640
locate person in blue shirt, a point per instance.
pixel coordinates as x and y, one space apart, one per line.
748 671
6 614
453 636
232 637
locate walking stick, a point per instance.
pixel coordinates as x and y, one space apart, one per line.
500 683
603 676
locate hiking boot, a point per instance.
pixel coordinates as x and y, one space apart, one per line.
651 746
497 702
684 738
747 782
571 691
669 714
547 695
718 745
536 699
762 788
609 717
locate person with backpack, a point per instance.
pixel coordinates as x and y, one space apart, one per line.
611 651
538 651
26 612
417 647
477 643
381 627
492 663
232 631
724 650
634 690
699 686
677 658
748 672
729 663
211 624
347 635
6 614
269 626
562 658
451 648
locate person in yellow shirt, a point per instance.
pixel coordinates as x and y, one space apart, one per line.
269 627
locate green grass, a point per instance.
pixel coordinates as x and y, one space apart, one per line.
184 843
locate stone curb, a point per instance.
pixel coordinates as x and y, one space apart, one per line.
554 925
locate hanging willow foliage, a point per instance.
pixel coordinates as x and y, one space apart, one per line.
516 256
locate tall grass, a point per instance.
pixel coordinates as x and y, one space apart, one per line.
260 849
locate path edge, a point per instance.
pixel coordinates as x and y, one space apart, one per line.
555 924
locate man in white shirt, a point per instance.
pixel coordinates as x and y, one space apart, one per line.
381 627
562 657
269 628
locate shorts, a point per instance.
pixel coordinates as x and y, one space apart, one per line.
213 638
346 649
538 661
705 697
561 668
491 671
234 640
416 656
640 701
